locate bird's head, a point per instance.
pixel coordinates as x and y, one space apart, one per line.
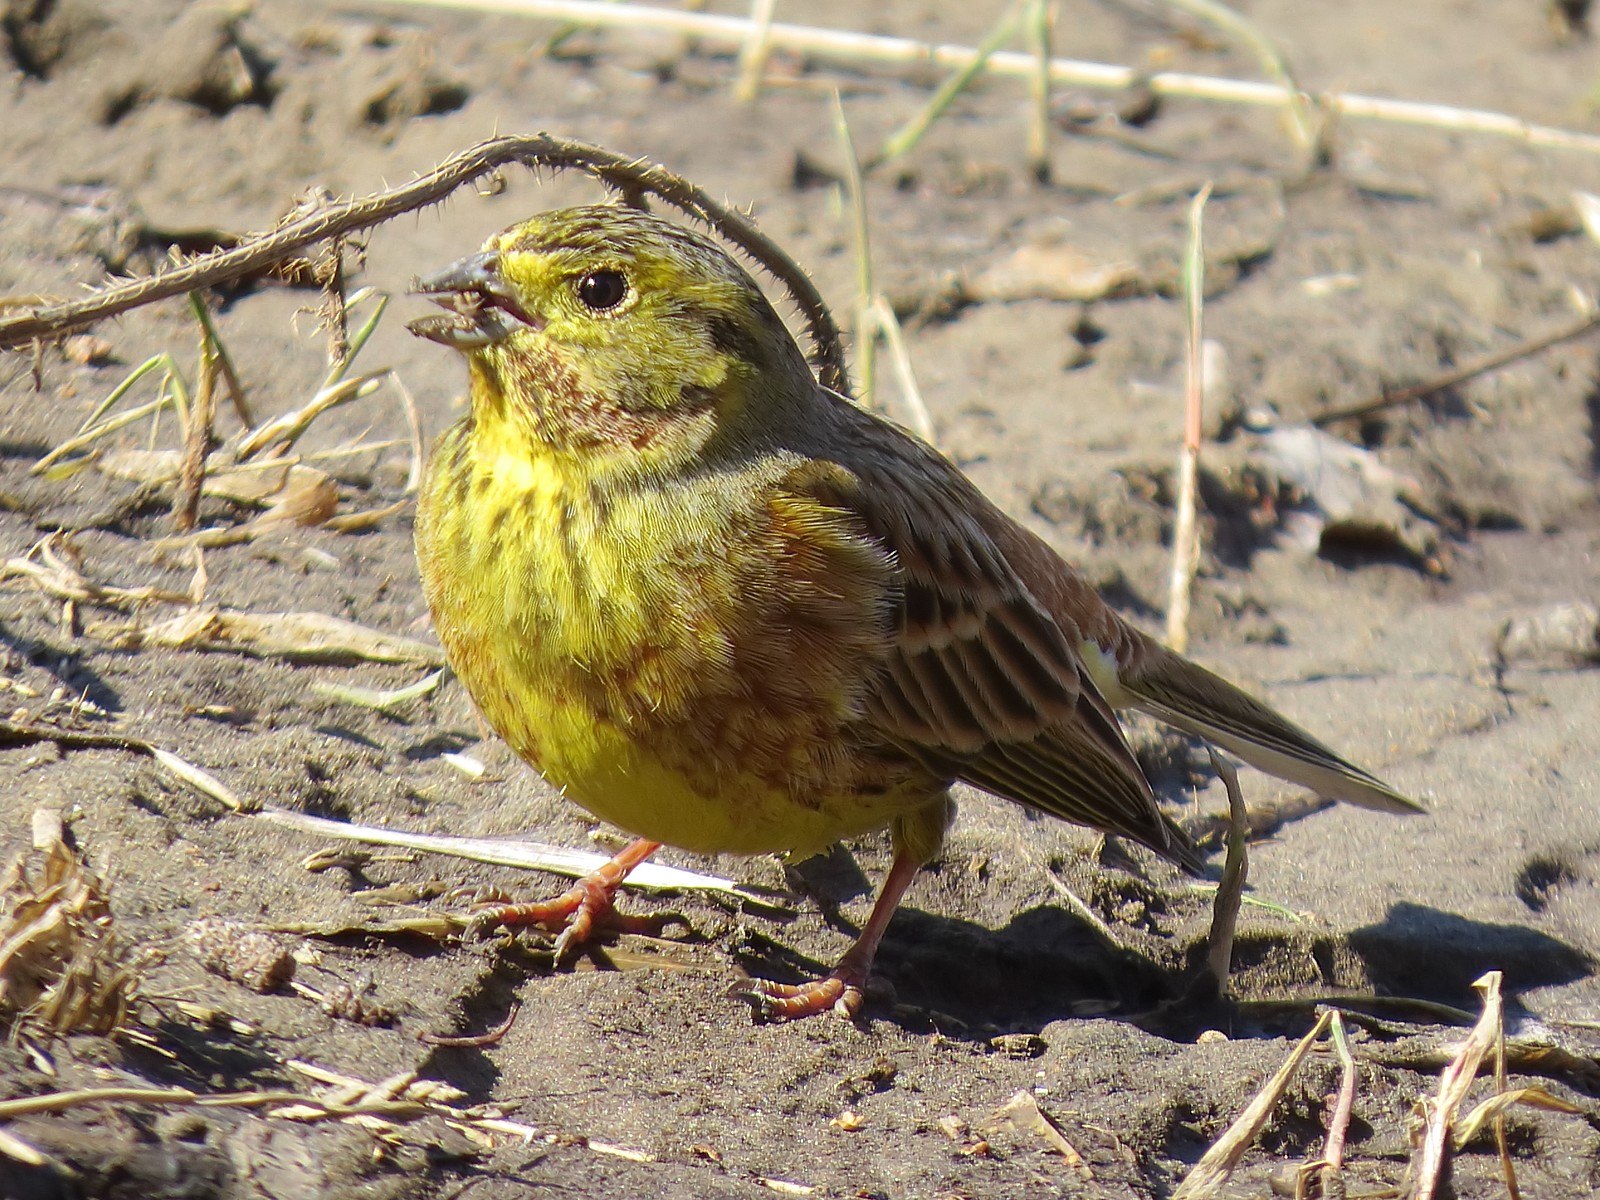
605 330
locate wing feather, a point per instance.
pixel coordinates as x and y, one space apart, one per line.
982 682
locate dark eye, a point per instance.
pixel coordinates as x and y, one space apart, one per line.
600 291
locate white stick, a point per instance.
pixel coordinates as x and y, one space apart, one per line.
849 47
509 852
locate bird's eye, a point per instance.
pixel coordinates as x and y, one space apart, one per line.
601 291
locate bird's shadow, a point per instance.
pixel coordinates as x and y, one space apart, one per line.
964 978
1048 964
1436 955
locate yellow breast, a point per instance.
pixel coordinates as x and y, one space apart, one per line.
686 661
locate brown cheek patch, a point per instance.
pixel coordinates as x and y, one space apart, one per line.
567 415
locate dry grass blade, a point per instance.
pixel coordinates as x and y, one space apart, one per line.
905 139
199 423
1022 1113
1235 872
45 567
387 702
259 483
110 425
1494 1109
299 1107
918 416
368 518
852 49
1216 1165
1041 26
1271 58
1508 1169
284 430
288 492
408 404
225 366
1587 206
1454 1082
785 1187
296 636
753 54
1077 904
1185 534
62 967
1328 1171
865 322
201 780
469 766
507 853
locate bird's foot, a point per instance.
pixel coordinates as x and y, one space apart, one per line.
839 993
578 917
584 913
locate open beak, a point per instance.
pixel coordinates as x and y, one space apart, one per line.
480 306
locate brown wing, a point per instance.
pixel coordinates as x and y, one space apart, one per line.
982 683
1187 696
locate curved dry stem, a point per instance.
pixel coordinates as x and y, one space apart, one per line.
631 176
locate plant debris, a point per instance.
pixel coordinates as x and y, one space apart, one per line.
63 968
259 960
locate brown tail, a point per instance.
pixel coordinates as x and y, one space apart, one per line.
1181 693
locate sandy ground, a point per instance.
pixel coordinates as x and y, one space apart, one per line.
1412 252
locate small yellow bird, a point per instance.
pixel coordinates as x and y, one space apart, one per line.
724 608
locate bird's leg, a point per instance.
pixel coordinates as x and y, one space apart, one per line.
840 989
587 909
917 838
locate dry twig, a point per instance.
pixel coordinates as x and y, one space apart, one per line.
1235 873
254 254
505 852
1454 378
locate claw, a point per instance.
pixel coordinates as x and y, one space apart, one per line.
774 1003
578 915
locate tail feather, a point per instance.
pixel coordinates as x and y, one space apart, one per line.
1186 695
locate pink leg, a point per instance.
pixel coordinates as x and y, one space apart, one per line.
840 990
586 909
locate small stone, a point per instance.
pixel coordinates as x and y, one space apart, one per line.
1019 1045
86 349
1566 633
